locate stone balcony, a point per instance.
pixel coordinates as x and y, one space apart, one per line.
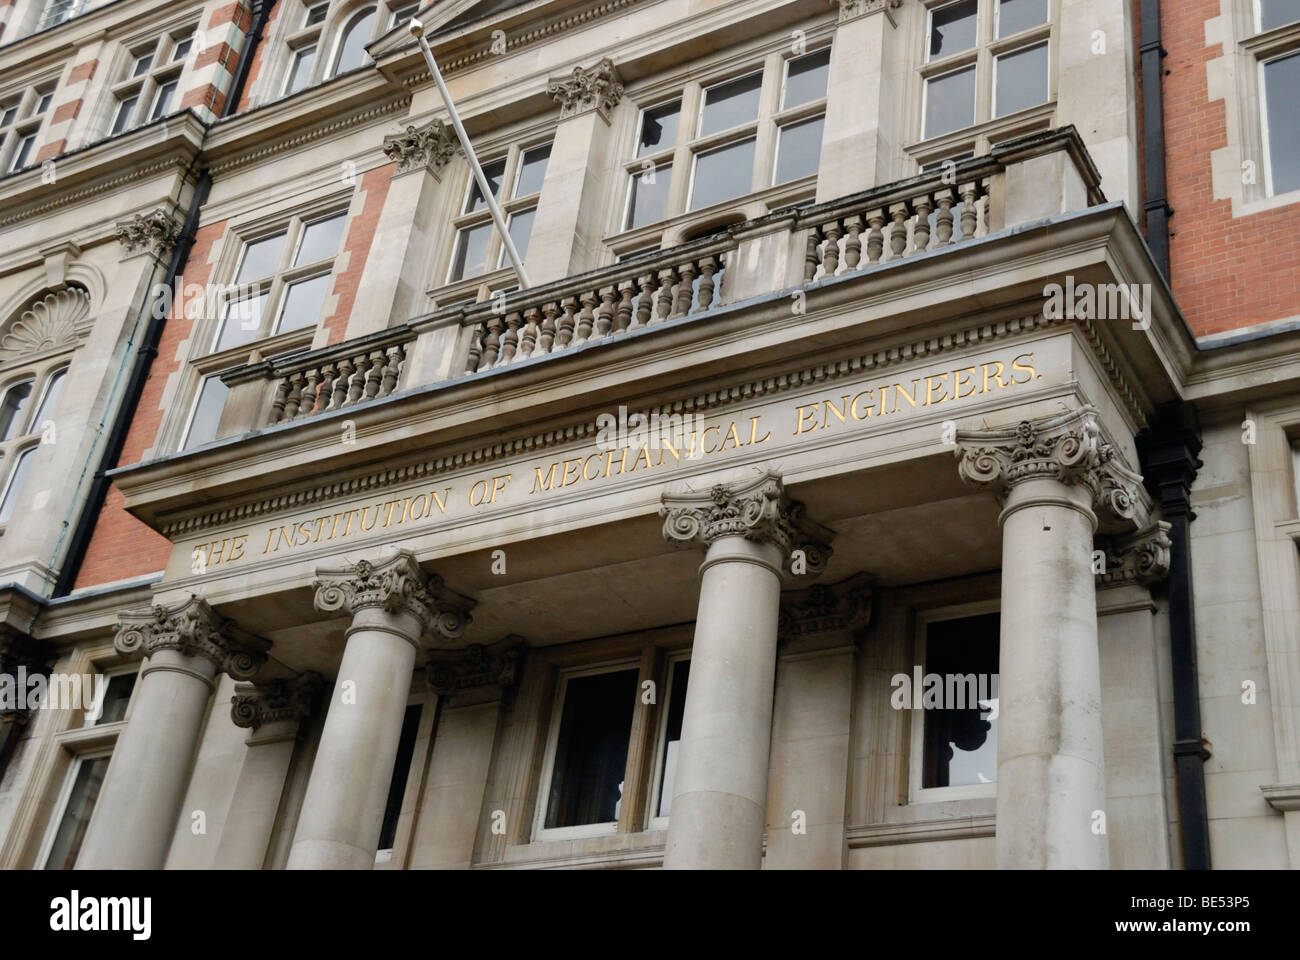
786 254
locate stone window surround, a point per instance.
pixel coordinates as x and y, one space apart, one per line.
70 741
687 83
203 363
26 97
1236 78
163 70
42 376
289 34
916 793
987 129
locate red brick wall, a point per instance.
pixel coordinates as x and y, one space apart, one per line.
122 546
1227 273
259 56
361 233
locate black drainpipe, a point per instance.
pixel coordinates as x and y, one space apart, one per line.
1168 449
89 515
1156 206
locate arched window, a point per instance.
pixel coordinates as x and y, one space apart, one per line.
351 51
49 402
19 427
13 407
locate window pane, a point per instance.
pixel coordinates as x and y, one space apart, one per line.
673 734
162 100
492 172
303 303
659 127
7 116
142 65
15 488
401 771
23 152
649 195
723 174
521 228
805 79
207 413
952 28
1017 15
402 14
352 51
300 72
317 14
43 104
182 49
116 698
949 102
961 740
124 110
320 240
730 104
532 170
1022 80
11 409
471 251
49 402
1281 83
1276 13
76 815
242 322
591 752
261 257
799 149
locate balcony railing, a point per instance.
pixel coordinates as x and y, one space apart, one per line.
1020 181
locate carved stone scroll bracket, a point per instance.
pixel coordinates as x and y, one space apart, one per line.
597 87
290 700
192 628
451 672
1141 558
396 585
824 608
1069 448
429 147
757 510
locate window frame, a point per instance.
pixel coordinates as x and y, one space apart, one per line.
147 85
660 744
1266 152
29 122
916 793
28 439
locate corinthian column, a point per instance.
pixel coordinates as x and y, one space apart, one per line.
1059 481
394 607
187 645
720 789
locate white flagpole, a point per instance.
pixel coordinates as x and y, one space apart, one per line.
417 30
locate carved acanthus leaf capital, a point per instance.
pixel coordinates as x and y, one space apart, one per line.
397 585
588 88
1068 448
194 629
279 700
758 510
156 232
452 671
821 608
1142 557
429 147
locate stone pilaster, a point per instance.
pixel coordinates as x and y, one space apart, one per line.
395 607
748 531
1059 481
186 646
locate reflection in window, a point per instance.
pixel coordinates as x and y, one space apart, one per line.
799 149
14 488
648 196
1016 15
116 697
352 46
949 102
591 751
49 402
722 174
1282 122
1021 80
659 127
672 734
806 78
1278 13
401 772
207 413
11 409
952 28
88 780
730 104
961 741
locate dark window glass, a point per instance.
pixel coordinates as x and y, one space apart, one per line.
730 104
142 65
723 174
402 770
300 72
23 152
1022 80
805 79
961 743
492 172
649 196
11 409
591 752
182 49
116 698
124 110
949 102
317 14
952 28
659 127
76 815
162 101
1281 84
1017 15
800 149
673 733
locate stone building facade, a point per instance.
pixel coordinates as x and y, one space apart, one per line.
889 462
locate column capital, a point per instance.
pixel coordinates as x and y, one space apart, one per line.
757 510
597 87
192 629
429 147
1068 448
154 233
397 585
291 699
852 9
453 671
1142 557
821 608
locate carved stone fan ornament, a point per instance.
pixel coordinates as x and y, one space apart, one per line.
48 323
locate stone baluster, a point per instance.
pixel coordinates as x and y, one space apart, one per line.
831 252
586 316
546 342
475 356
342 383
943 223
605 315
492 345
568 323
969 214
623 315
708 267
898 213
281 398
292 402
510 340
811 260
853 243
307 405
663 300
396 356
875 235
361 363
921 232
685 292
375 374
645 303
528 334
